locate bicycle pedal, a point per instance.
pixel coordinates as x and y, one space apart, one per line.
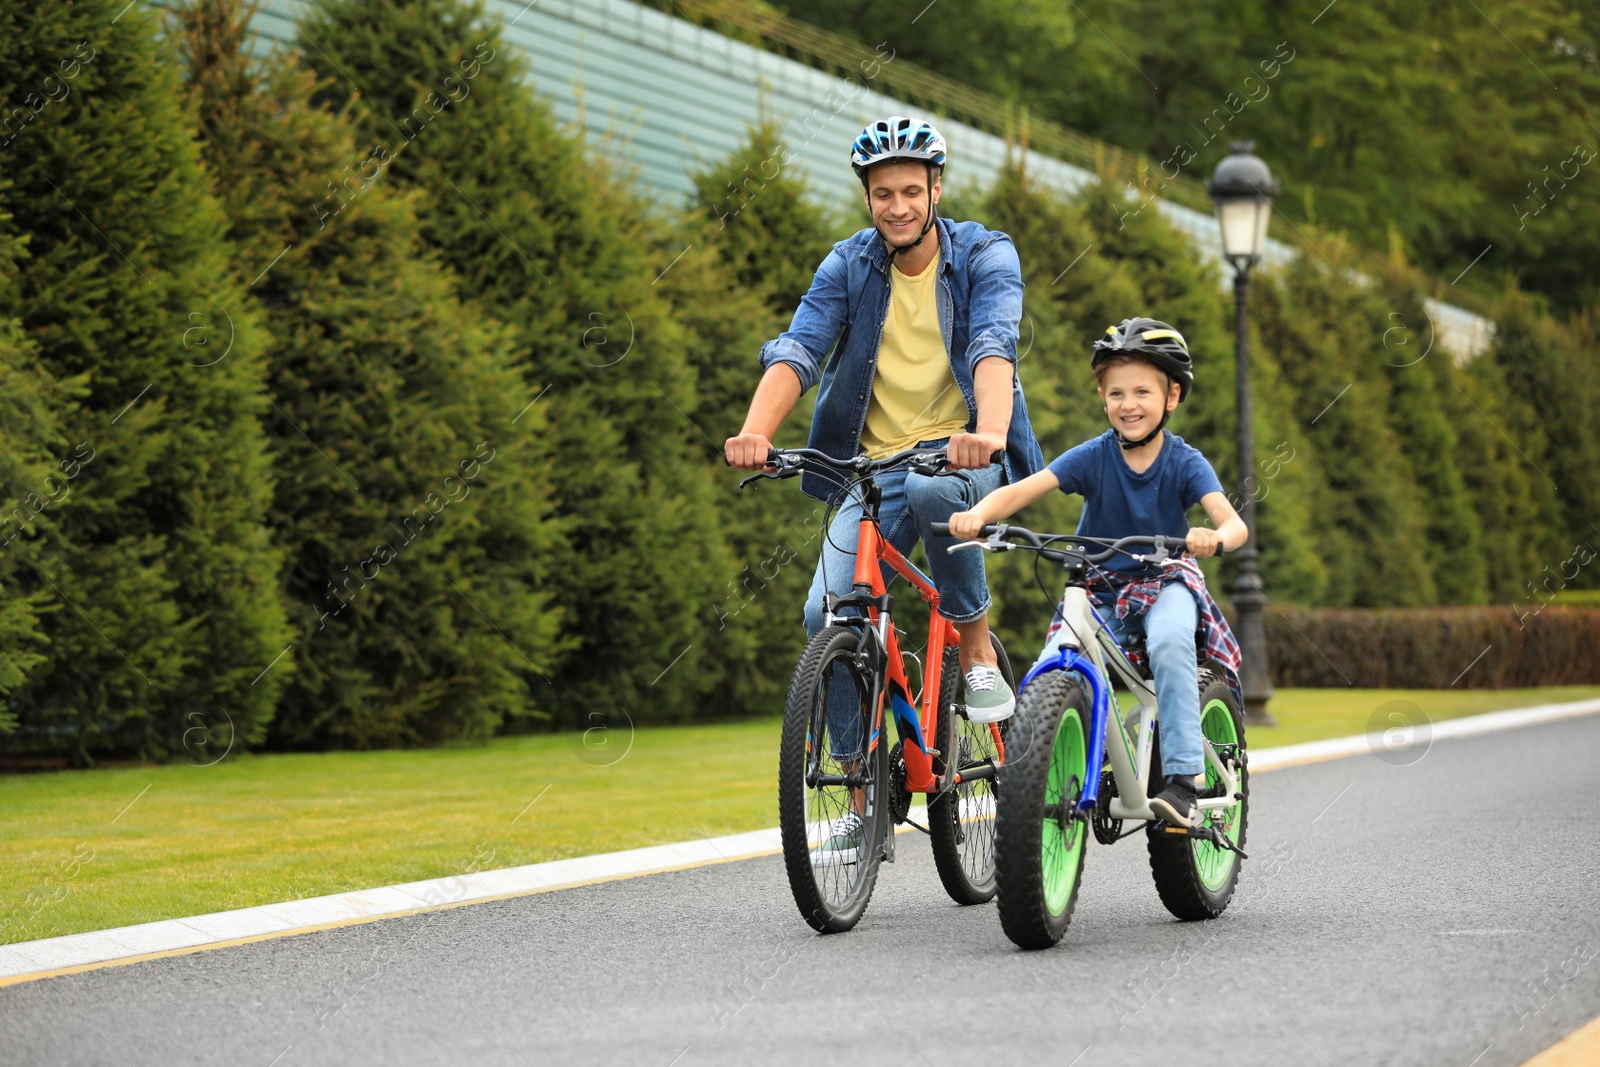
1207 833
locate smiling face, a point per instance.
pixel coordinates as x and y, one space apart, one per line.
1136 395
897 195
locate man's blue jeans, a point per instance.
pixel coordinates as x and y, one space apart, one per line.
910 504
1169 642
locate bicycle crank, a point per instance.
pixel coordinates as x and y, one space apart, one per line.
899 798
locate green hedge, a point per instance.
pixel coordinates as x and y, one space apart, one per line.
1434 648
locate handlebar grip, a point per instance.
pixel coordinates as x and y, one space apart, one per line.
942 529
998 456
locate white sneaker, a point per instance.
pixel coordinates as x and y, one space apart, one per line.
989 698
843 844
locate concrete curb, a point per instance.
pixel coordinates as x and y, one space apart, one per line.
1489 722
51 957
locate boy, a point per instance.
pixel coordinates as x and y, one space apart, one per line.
1139 478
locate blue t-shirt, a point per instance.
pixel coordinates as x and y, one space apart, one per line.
1118 502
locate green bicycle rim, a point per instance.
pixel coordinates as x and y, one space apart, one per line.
1215 865
1059 850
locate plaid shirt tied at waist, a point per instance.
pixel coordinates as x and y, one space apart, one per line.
1135 595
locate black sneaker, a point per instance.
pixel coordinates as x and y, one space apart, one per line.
1176 801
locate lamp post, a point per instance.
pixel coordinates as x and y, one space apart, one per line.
1242 189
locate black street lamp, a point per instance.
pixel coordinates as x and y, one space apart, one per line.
1242 189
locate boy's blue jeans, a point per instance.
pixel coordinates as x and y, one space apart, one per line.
1169 641
910 504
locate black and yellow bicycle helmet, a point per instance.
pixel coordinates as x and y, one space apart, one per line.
1157 342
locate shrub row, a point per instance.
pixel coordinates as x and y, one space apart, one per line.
1434 648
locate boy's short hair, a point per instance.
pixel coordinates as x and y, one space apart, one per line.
1120 359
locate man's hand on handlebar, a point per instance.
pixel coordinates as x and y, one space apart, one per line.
748 451
974 451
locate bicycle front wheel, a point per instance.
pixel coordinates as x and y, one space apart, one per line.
833 778
1039 834
961 820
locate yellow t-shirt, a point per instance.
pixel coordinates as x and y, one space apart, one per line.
914 396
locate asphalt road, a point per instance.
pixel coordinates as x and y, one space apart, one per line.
1446 912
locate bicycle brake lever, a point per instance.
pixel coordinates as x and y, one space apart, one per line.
929 470
760 475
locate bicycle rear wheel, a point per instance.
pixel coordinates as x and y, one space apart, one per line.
833 777
1040 836
961 820
1195 878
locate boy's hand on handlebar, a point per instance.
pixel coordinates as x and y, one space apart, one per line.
973 451
748 451
1203 542
966 525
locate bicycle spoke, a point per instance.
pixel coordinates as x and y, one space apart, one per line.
840 753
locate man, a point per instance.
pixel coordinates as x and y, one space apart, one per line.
921 315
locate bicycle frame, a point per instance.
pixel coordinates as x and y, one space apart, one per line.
872 549
1107 733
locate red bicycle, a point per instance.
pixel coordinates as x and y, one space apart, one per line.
840 787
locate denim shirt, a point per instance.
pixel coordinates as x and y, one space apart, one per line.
980 307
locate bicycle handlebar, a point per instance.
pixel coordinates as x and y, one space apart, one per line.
999 536
788 462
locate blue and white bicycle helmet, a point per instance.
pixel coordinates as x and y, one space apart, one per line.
897 137
900 138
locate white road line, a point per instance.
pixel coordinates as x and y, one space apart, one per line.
31 960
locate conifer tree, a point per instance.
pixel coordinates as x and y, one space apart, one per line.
29 442
1371 526
158 562
1516 507
1554 381
413 522
770 233
1421 379
758 238
552 243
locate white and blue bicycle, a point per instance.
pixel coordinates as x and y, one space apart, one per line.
1073 767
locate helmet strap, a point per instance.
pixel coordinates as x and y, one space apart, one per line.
926 226
1151 436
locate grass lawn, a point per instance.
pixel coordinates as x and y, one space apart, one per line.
87 850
